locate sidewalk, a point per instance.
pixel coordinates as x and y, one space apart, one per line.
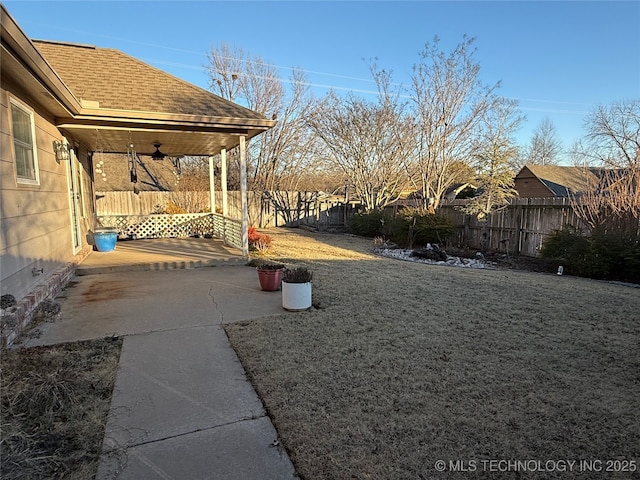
182 407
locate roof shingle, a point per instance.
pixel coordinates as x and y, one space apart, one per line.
564 180
119 81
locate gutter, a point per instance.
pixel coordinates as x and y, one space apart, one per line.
17 43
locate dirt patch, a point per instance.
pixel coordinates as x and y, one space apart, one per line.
55 401
406 364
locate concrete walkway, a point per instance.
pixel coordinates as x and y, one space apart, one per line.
182 407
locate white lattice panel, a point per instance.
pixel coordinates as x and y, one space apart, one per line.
173 226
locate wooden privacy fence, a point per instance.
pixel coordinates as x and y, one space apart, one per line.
266 209
520 228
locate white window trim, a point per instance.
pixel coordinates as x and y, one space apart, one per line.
14 102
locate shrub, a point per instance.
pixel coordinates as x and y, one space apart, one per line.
297 275
252 233
410 226
270 266
258 242
599 255
566 244
426 227
174 209
369 224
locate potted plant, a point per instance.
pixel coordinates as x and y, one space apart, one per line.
296 288
270 276
105 239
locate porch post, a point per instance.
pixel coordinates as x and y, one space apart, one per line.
223 181
212 183
243 196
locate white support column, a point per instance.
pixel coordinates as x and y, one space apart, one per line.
212 188
223 181
243 196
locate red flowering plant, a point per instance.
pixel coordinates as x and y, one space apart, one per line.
258 242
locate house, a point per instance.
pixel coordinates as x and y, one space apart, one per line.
540 181
459 191
62 104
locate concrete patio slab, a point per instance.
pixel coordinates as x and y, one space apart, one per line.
161 254
129 303
182 407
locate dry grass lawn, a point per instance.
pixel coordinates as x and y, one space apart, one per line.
402 364
54 408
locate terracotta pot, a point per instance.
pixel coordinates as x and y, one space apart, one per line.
270 279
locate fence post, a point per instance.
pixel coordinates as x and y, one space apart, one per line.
518 232
465 232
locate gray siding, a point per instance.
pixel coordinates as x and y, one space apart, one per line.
35 220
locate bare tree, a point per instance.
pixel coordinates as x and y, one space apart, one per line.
224 68
289 151
612 141
368 141
450 102
281 157
190 191
544 149
278 157
494 153
613 136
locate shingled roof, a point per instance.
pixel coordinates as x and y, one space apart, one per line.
118 81
119 93
562 181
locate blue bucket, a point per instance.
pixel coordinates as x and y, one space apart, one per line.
105 239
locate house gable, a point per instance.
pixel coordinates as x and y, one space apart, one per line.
539 181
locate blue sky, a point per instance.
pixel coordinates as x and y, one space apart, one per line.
559 59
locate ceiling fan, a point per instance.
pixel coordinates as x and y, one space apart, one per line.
158 155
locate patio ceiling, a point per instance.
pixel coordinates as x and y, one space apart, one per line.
176 138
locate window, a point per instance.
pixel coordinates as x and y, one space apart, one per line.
24 143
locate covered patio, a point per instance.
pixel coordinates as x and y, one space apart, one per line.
161 254
131 108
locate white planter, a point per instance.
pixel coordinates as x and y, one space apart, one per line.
296 296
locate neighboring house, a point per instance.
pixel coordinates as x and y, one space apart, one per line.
413 198
61 104
459 191
539 181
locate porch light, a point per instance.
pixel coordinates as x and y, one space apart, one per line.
157 155
61 150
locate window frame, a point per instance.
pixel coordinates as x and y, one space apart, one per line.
26 110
